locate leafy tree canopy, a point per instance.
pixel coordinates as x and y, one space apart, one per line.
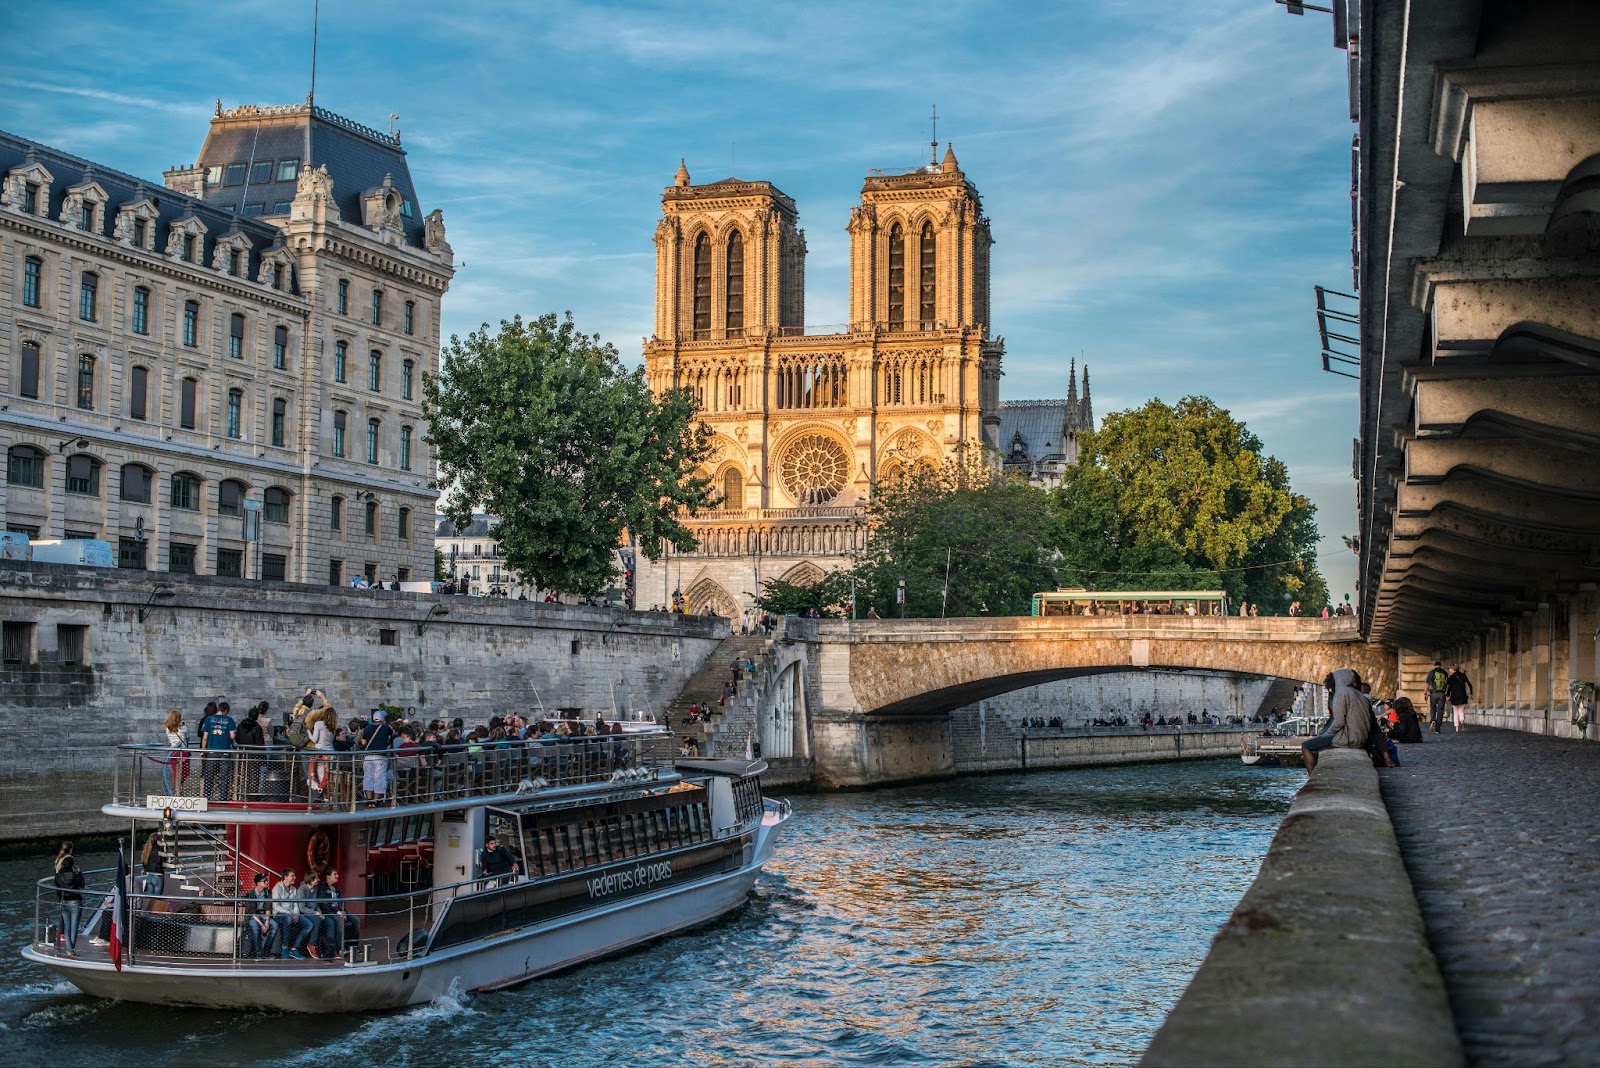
541 425
829 596
994 537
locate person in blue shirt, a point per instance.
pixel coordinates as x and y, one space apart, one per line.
217 731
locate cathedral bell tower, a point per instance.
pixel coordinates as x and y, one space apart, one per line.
730 261
919 251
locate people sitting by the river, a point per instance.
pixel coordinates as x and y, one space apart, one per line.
1349 718
1407 725
293 928
259 930
498 864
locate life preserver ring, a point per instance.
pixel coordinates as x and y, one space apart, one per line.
319 851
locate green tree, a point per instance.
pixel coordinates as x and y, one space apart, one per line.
988 539
542 426
829 596
1181 496
439 573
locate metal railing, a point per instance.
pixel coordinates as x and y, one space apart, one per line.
358 779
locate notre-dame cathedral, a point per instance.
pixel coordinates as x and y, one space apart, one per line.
806 424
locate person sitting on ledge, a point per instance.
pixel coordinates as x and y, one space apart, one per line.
1350 717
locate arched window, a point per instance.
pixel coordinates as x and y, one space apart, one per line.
732 490
86 382
29 384
186 491
702 287
230 497
926 292
136 483
897 278
733 316
83 475
275 505
25 466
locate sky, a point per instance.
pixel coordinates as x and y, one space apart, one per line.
1166 182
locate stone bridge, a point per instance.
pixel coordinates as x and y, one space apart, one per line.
880 691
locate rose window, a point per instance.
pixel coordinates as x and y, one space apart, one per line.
814 469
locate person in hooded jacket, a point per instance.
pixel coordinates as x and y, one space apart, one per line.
1349 718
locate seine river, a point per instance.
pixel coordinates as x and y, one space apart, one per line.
1043 919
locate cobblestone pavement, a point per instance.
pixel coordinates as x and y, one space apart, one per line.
1499 834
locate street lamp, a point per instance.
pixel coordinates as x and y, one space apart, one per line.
433 610
900 596
162 592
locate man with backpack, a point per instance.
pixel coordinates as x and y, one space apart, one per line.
1438 679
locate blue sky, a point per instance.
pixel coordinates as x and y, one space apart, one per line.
1166 181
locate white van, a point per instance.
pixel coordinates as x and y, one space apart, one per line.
14 546
85 552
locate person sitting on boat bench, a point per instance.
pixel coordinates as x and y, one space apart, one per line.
294 928
498 863
258 928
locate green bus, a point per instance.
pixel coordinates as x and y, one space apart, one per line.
1077 601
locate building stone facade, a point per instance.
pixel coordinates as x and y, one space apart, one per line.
248 340
806 424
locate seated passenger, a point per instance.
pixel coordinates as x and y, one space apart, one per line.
258 926
347 926
293 928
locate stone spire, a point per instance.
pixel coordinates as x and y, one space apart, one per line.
949 164
1087 420
681 179
1072 384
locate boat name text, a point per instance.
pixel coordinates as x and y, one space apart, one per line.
636 878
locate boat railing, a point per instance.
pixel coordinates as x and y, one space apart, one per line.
159 778
168 926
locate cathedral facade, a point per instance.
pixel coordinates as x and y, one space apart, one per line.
806 424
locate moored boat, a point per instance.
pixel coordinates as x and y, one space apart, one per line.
609 844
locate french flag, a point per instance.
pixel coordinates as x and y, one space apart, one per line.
119 908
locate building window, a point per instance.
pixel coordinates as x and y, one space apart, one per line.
405 448
336 572
230 563
371 571
86 215
86 382
375 370
191 248
274 567
407 369
925 305
230 499
25 466
130 553
236 262
136 483
236 336
344 296
372 441
83 475
377 307
29 386
88 296
733 490
141 232
188 402
336 514
186 491
280 415
372 519
702 287
234 174
404 528
733 316
261 173
277 271
191 323
339 421
411 316
235 413
280 347
30 198
340 353
32 268
288 170
180 558
275 505
897 277
138 393
141 310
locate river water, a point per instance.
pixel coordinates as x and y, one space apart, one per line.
1043 919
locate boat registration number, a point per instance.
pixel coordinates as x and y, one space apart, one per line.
177 804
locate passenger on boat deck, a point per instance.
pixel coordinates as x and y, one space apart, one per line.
498 864
348 926
322 943
258 927
294 929
377 737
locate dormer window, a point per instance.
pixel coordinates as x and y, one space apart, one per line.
288 170
86 216
191 245
141 232
30 198
235 174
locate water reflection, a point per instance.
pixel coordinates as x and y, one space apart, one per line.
1044 919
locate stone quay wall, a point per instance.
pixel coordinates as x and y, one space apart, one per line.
83 670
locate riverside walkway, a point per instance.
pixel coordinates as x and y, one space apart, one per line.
1498 831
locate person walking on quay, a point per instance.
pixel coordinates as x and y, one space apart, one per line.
1349 718
1458 688
1437 677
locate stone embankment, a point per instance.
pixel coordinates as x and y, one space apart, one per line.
1325 960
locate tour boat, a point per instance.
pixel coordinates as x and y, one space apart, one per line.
616 843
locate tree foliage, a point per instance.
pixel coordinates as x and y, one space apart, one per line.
828 597
1181 496
995 537
541 425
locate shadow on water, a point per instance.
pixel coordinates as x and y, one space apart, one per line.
1044 919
